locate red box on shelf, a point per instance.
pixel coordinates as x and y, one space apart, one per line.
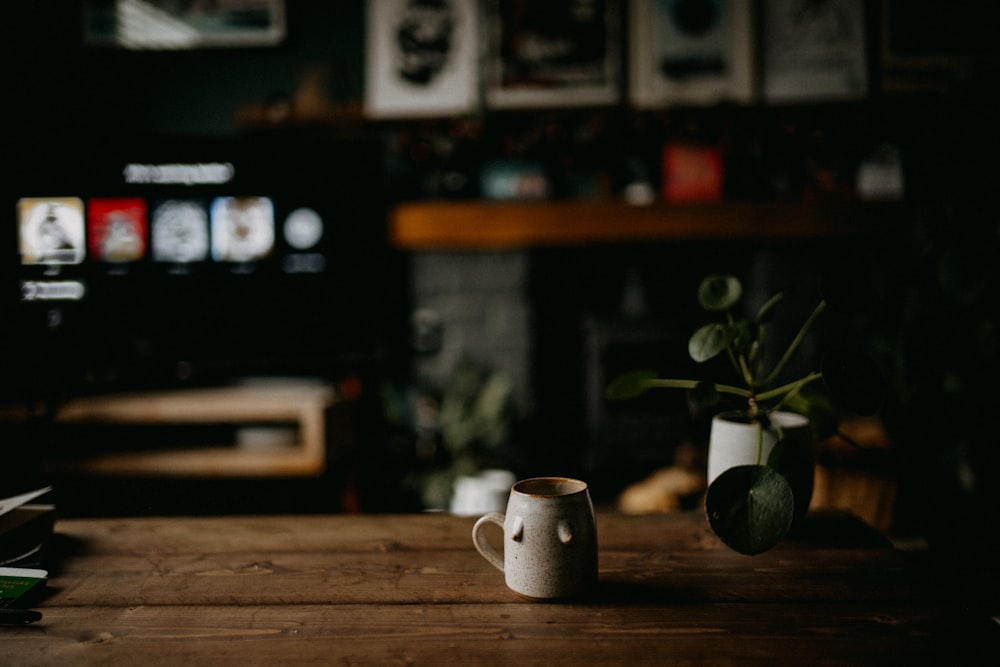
692 173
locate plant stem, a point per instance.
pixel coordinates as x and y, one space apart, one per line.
799 337
747 373
789 388
691 384
849 440
760 441
739 361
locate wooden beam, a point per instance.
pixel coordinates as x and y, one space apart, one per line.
478 224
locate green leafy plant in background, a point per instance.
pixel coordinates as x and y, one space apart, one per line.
457 428
751 508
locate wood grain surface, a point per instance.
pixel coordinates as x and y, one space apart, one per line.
411 590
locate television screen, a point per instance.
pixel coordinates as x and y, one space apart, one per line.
149 262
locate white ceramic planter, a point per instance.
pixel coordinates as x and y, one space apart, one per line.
733 442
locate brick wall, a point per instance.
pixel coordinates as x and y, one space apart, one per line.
474 306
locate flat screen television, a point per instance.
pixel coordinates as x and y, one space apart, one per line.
151 262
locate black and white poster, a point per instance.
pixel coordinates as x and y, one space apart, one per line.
814 50
422 57
690 52
553 53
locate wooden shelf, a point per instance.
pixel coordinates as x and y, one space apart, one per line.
497 225
301 405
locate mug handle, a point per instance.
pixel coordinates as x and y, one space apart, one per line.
479 538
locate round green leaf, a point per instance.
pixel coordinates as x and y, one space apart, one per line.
750 508
709 341
629 385
793 459
704 395
778 459
817 407
741 337
718 293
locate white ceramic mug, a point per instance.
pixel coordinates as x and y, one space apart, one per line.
549 538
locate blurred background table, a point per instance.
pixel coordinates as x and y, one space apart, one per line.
264 407
410 589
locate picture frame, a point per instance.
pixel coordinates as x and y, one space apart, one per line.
925 47
421 58
815 52
680 57
557 53
168 25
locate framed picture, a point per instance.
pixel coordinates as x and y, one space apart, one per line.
815 51
694 52
168 24
554 53
421 58
929 46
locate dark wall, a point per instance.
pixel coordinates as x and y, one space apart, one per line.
61 85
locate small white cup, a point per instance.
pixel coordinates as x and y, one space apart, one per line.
484 492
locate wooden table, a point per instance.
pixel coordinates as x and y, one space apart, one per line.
411 590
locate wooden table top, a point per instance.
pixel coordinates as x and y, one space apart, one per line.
411 590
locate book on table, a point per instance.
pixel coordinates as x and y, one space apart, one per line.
25 529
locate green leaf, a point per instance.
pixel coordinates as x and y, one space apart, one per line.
709 341
791 457
741 337
750 508
629 385
718 293
705 395
816 406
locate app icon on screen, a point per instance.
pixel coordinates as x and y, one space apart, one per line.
50 230
180 231
303 228
116 229
242 228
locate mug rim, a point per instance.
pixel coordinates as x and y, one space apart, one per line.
522 487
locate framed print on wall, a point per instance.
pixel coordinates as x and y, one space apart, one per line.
696 52
421 57
815 51
556 53
927 46
170 25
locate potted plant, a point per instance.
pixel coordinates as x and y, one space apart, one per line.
760 455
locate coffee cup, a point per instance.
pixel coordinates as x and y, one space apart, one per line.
549 538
